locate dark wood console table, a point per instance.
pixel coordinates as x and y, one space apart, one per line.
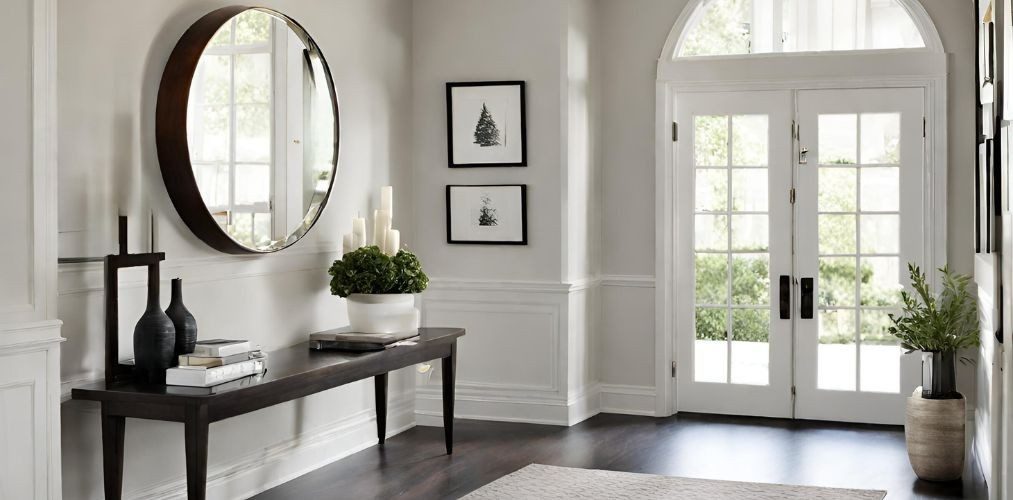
292 373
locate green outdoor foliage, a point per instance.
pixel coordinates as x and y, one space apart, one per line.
948 322
750 282
368 270
723 29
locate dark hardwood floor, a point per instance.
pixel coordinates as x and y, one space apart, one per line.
413 464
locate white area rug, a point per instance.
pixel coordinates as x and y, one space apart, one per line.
548 482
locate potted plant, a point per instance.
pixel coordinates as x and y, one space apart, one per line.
938 326
378 288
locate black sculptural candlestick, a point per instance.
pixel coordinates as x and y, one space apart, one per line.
186 325
117 371
154 338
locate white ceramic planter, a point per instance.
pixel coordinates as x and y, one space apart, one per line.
382 313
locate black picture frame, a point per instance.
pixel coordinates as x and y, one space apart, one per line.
454 160
523 192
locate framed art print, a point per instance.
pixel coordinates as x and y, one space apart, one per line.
490 215
486 124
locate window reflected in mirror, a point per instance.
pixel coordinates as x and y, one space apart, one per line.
261 130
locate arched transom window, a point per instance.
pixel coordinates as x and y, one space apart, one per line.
729 27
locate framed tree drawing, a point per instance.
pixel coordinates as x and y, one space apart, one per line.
488 215
486 124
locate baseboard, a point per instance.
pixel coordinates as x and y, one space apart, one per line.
628 399
531 410
282 462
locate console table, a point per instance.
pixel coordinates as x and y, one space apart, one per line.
292 373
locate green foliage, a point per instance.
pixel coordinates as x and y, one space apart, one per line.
723 29
368 270
937 324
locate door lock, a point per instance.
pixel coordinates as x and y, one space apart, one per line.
803 155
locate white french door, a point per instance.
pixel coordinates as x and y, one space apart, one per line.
797 212
734 227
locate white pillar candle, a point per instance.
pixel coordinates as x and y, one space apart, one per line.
381 223
358 232
346 244
387 200
393 242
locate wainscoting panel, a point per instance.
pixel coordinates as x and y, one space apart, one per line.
30 411
526 356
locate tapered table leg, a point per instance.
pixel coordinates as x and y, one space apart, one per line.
113 429
196 435
380 390
449 367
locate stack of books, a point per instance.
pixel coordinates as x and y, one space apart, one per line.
215 362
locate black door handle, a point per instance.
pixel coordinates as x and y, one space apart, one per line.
807 298
784 301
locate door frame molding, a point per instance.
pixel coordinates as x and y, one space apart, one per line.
920 68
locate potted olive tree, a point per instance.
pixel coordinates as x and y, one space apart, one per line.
378 288
938 326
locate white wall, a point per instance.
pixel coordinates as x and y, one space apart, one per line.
633 32
529 310
489 40
111 55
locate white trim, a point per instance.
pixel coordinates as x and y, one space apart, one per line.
627 399
924 68
628 280
289 459
523 408
88 277
694 9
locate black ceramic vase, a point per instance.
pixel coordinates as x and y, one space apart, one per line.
186 325
154 338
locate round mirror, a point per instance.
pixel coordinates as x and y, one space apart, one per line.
247 130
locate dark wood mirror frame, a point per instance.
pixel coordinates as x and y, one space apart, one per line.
171 132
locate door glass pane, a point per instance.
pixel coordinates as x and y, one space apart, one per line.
880 281
710 141
749 140
881 189
837 189
750 279
711 278
731 241
710 350
880 233
750 346
837 282
881 354
836 351
881 138
711 232
711 190
749 189
838 137
836 234
749 232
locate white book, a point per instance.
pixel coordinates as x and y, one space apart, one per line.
220 347
202 376
191 360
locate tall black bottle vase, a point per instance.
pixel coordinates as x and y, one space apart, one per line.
186 325
154 338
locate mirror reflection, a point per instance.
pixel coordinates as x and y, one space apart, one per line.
262 130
